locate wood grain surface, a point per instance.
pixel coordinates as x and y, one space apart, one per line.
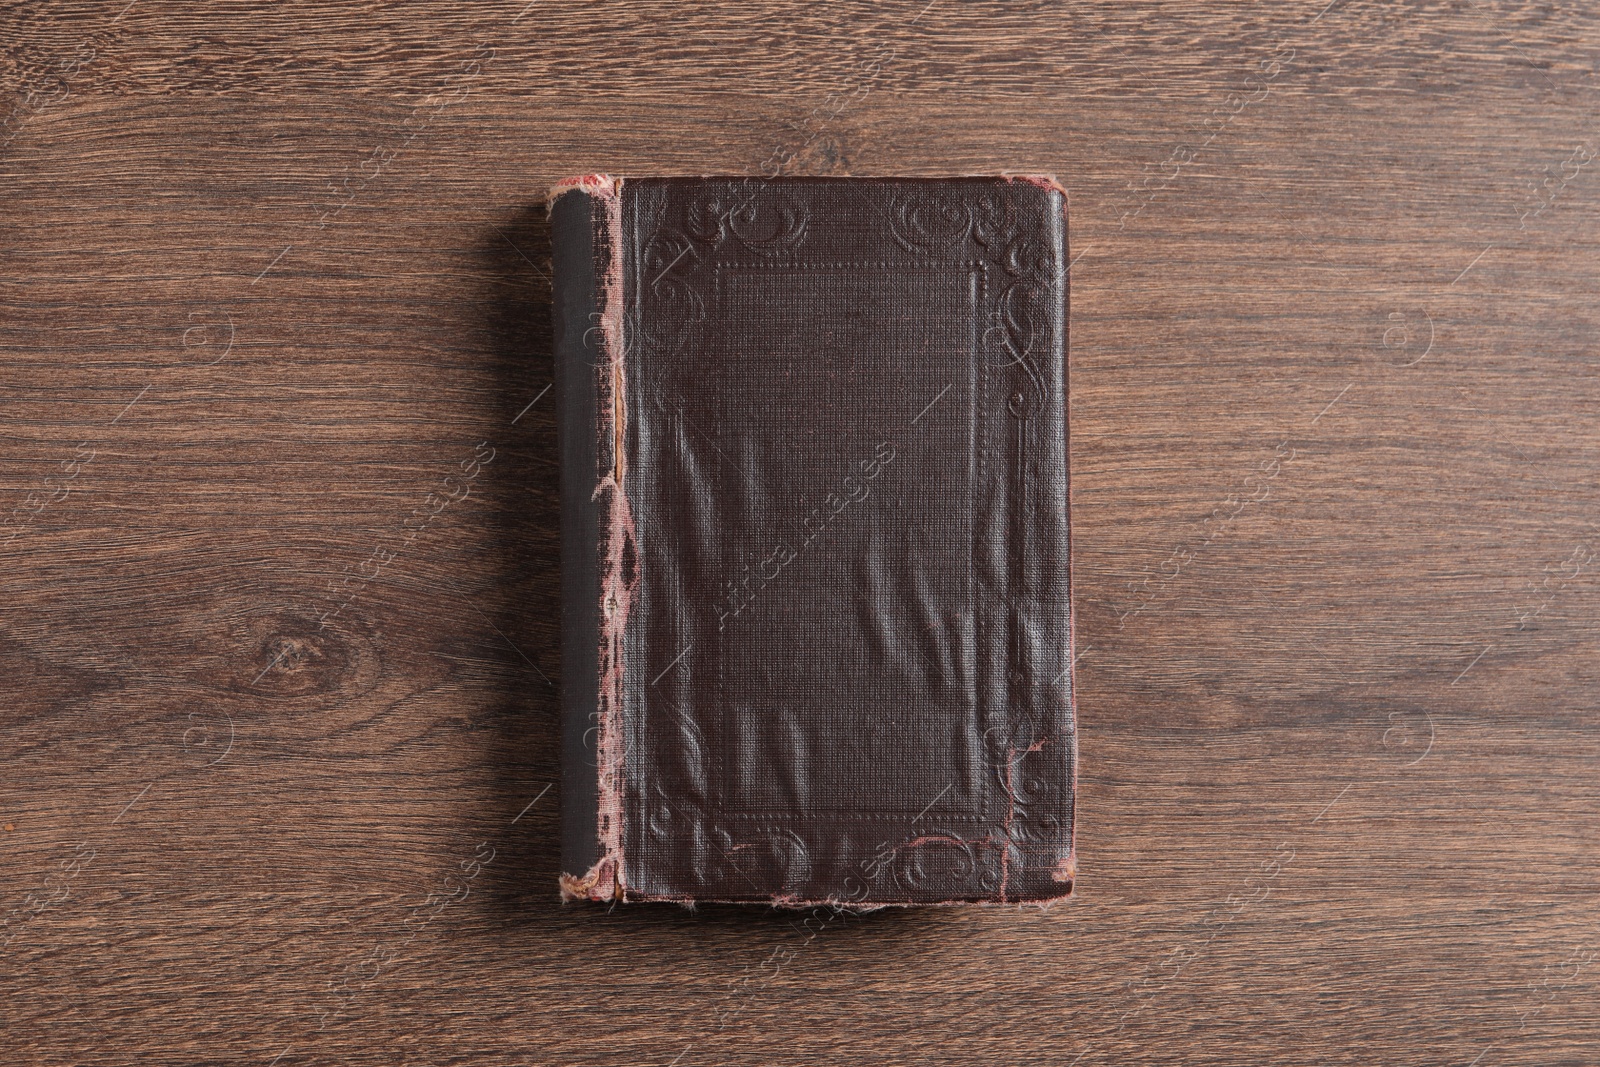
278 487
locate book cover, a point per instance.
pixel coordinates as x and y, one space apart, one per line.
817 619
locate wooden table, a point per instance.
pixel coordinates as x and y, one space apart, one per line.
280 544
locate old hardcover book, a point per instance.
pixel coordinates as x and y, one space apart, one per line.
817 623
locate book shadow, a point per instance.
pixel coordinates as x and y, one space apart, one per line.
519 882
519 885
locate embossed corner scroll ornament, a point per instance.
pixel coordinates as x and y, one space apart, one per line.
758 217
750 216
1020 268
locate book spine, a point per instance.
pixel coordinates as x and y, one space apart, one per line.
598 561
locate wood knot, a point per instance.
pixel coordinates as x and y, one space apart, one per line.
290 656
289 660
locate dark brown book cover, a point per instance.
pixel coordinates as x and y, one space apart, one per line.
817 620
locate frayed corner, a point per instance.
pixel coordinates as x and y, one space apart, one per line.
1065 870
1047 182
601 185
602 882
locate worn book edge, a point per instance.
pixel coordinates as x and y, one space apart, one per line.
593 346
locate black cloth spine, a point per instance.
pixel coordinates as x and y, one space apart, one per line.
572 228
